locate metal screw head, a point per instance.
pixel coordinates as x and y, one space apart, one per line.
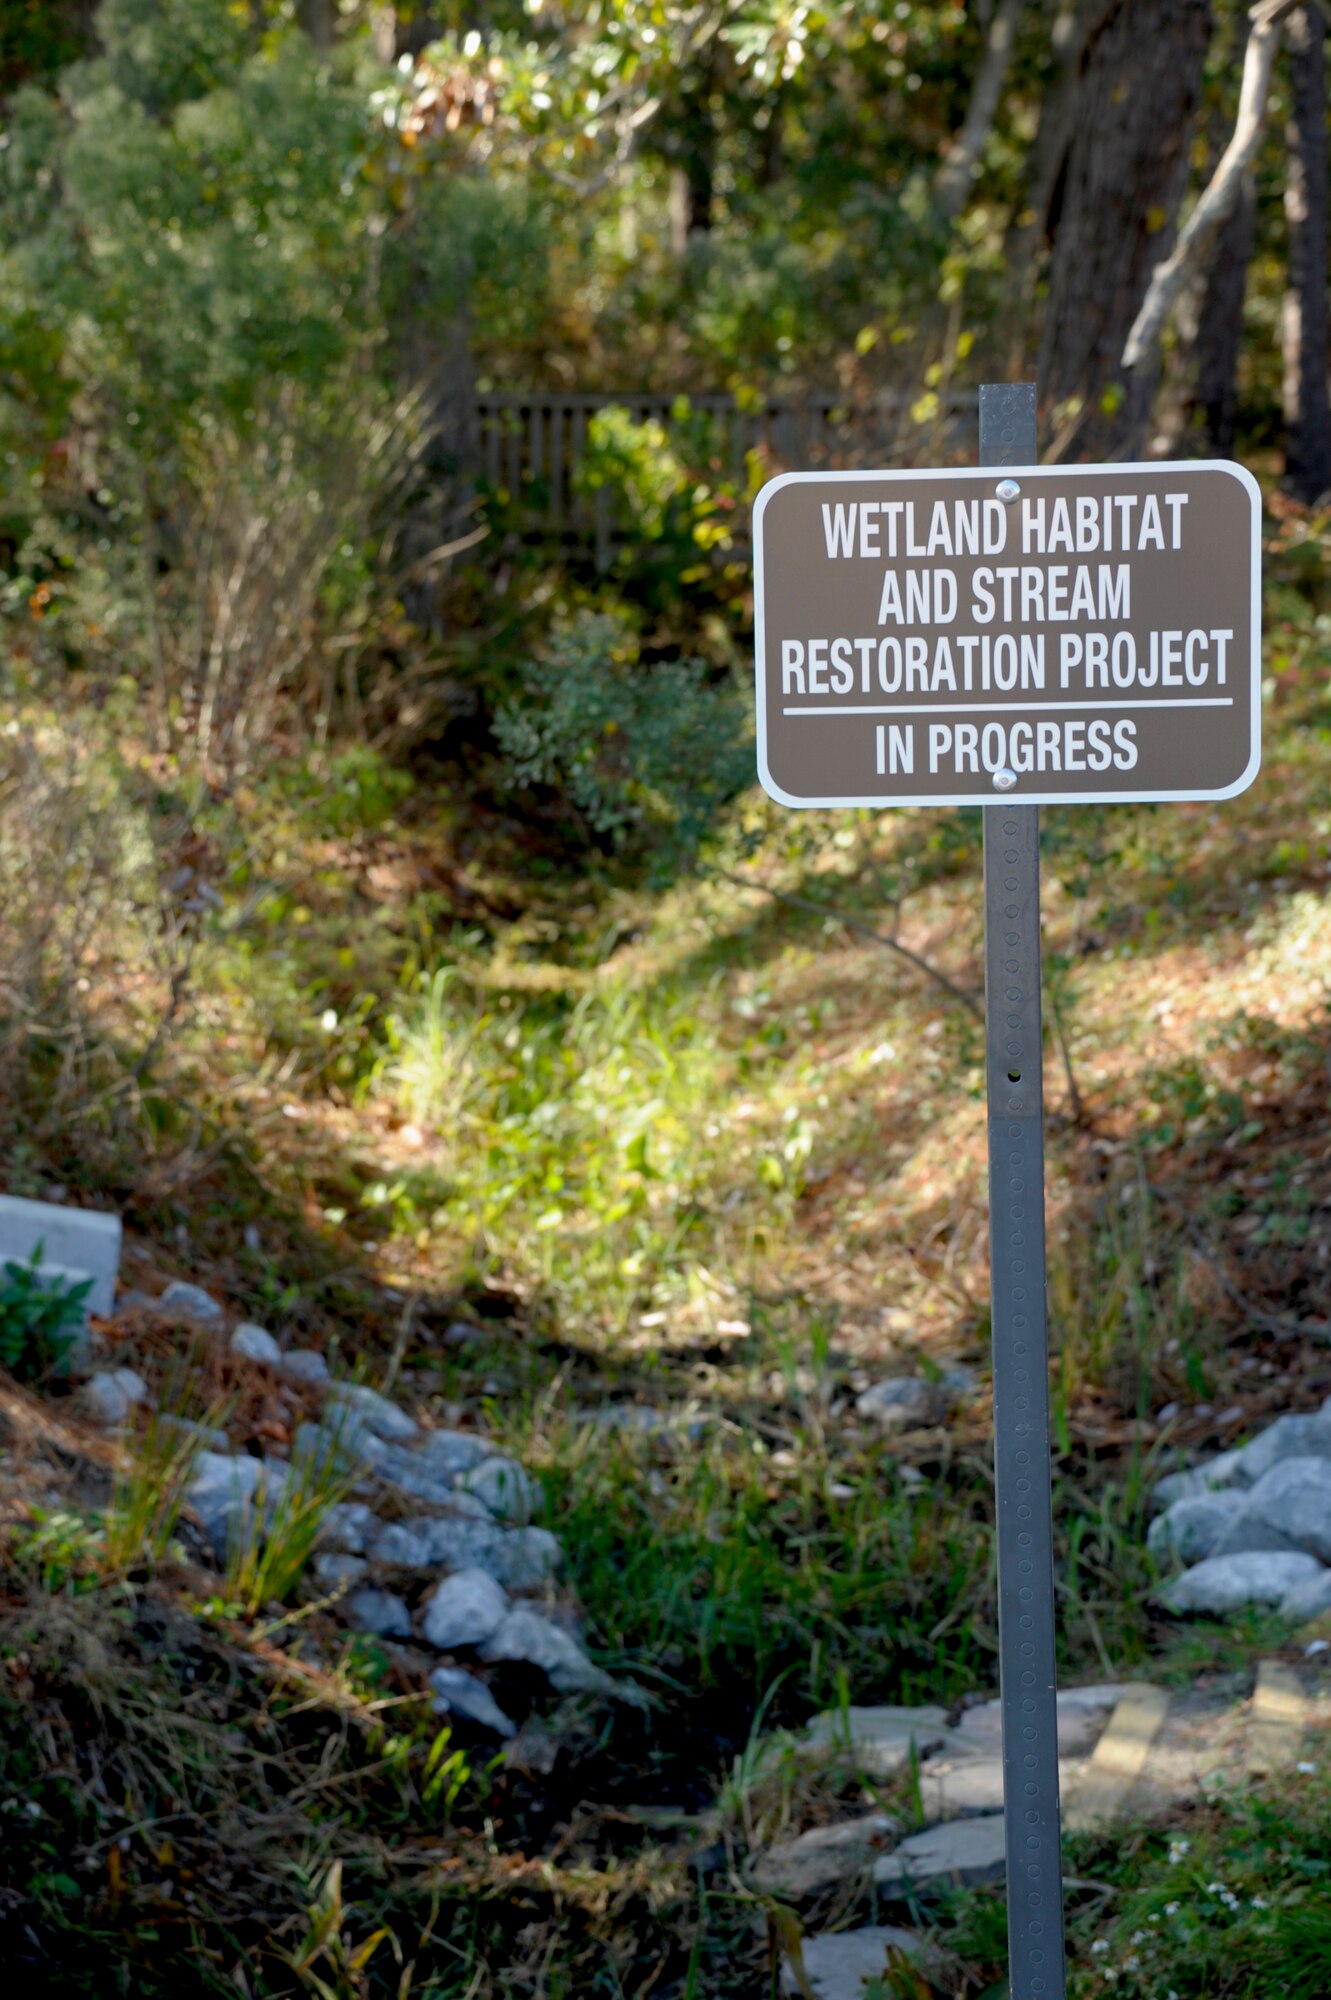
1004 780
1008 491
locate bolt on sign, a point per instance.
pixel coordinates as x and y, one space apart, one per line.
1060 635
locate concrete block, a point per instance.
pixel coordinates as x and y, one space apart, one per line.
81 1241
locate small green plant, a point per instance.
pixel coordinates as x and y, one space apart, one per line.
150 1485
327 1962
61 1548
430 1062
40 1317
270 1549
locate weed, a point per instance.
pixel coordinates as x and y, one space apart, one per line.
41 1315
327 1963
271 1544
1226 1903
152 1475
430 1065
61 1548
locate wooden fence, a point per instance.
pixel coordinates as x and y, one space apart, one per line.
531 446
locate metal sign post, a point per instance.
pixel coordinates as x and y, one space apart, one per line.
1022 1471
1031 635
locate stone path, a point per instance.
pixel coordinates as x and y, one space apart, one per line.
1123 1747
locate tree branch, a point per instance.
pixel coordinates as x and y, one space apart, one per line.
1221 196
806 903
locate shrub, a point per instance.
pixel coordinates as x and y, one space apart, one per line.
632 748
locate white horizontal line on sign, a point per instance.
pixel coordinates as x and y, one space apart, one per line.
1013 707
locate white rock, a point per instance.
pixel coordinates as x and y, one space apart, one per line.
510 1492
223 1492
457 1692
379 1416
1294 1500
1287 1437
346 1527
964 1853
465 1610
528 1637
824 1855
111 1393
449 1453
1215 1475
338 1572
1228 1583
378 1612
526 1557
1176 1486
305 1367
253 1343
878 1740
402 1469
1191 1528
841 1965
903 1404
1307 1600
190 1302
439 1540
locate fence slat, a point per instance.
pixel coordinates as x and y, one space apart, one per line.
531 440
558 418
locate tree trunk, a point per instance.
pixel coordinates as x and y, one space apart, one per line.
689 140
1141 84
957 173
1307 408
1072 28
319 20
1219 337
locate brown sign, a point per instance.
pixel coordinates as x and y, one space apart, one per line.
1061 635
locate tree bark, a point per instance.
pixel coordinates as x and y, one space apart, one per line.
1140 88
1172 276
1213 401
954 179
1304 320
319 20
1073 25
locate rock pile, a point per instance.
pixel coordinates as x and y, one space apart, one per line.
1252 1525
435 1551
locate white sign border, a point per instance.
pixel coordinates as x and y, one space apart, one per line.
990 476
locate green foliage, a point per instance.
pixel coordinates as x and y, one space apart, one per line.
40 1318
151 1479
429 1063
638 466
1201 1909
271 1546
637 751
735 1569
